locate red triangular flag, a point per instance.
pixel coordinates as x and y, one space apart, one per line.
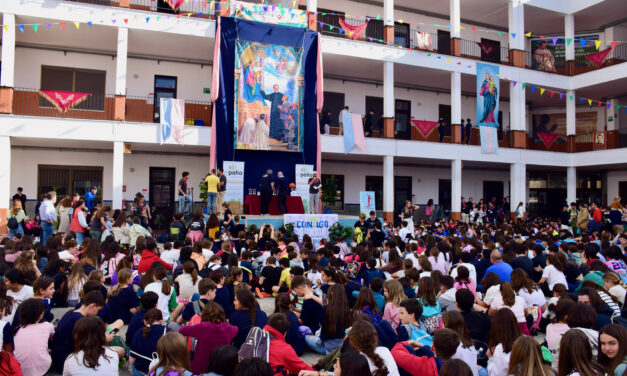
614 45
126 20
552 93
62 24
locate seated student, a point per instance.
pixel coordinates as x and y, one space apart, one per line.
161 286
394 296
144 342
336 318
366 304
246 314
246 265
222 296
63 339
123 301
284 280
466 350
446 296
270 276
187 282
211 332
150 255
362 336
418 360
283 304
16 287
177 227
147 301
556 330
56 269
31 338
281 354
43 289
215 263
408 289
431 311
297 296
411 311
478 323
311 313
207 290
171 253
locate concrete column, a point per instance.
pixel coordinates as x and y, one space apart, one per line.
456 189
516 23
456 107
571 184
312 8
388 20
8 64
455 27
571 121
388 99
517 186
119 110
518 116
117 177
5 180
569 33
388 188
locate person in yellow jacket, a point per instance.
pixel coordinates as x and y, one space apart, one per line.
582 218
212 190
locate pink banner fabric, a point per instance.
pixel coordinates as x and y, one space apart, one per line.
598 57
548 138
486 47
352 30
215 87
424 127
358 132
63 100
175 4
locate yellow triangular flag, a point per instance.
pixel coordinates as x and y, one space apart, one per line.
188 14
6 28
542 90
589 102
350 33
461 28
597 43
77 24
528 35
448 60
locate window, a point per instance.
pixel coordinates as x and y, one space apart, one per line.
339 197
67 180
401 34
75 79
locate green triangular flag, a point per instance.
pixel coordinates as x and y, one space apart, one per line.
523 85
500 33
429 54
568 41
158 18
378 16
380 40
330 27
618 106
324 14
35 26
571 97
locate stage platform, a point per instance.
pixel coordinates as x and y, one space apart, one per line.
277 220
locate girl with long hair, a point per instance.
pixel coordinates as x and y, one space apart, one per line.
576 356
466 350
437 260
615 286
75 282
173 356
503 332
427 296
121 230
17 212
98 223
553 272
213 331
283 304
144 342
196 228
363 338
91 353
508 299
336 317
613 346
123 301
527 289
463 280
213 226
491 287
526 359
365 303
246 315
31 338
25 264
161 286
64 208
394 295
188 281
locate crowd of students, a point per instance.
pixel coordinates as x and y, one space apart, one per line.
448 299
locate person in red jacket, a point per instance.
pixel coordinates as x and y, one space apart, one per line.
282 355
149 256
418 360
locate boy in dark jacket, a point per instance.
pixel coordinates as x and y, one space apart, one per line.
177 227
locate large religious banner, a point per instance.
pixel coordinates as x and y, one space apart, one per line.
268 97
488 106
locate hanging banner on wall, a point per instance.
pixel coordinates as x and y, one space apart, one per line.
488 106
366 202
234 172
304 172
315 225
266 13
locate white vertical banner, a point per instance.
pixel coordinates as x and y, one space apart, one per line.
304 172
234 172
315 225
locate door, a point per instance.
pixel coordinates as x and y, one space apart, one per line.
444 112
333 102
374 29
491 50
375 184
161 196
401 34
375 104
402 116
402 191
493 189
444 194
444 42
622 191
165 87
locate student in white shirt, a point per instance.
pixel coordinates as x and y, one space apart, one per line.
528 290
503 332
161 287
508 299
91 354
553 273
16 287
466 350
526 359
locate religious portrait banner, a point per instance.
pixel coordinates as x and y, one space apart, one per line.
268 97
488 106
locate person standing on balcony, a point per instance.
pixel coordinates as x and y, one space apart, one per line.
325 124
344 111
468 130
185 200
462 127
369 123
89 197
221 190
212 190
48 215
314 192
441 123
20 196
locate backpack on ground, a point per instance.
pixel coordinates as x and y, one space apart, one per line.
192 342
256 345
12 223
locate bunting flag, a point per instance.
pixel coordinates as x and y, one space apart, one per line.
63 100
353 132
354 31
597 43
548 138
424 127
598 57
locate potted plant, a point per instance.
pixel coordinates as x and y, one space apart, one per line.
328 193
203 193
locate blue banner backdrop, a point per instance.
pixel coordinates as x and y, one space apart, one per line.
257 162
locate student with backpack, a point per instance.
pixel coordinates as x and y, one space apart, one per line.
371 272
147 301
211 332
31 338
283 304
410 328
144 342
281 355
207 290
246 315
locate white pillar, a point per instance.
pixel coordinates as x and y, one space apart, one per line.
517 186
569 33
608 37
120 70
571 184
456 186
456 97
388 184
8 52
388 89
455 19
312 5
388 13
5 177
516 22
117 176
611 116
517 108
571 113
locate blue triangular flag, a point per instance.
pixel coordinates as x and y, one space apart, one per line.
89 23
582 42
147 19
21 27
513 35
533 88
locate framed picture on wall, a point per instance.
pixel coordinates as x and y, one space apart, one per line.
600 140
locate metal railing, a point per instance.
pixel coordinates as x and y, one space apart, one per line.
96 106
423 40
191 6
622 138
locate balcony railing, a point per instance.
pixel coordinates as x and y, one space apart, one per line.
102 107
190 6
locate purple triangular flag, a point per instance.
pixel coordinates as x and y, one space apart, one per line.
561 95
554 40
515 82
